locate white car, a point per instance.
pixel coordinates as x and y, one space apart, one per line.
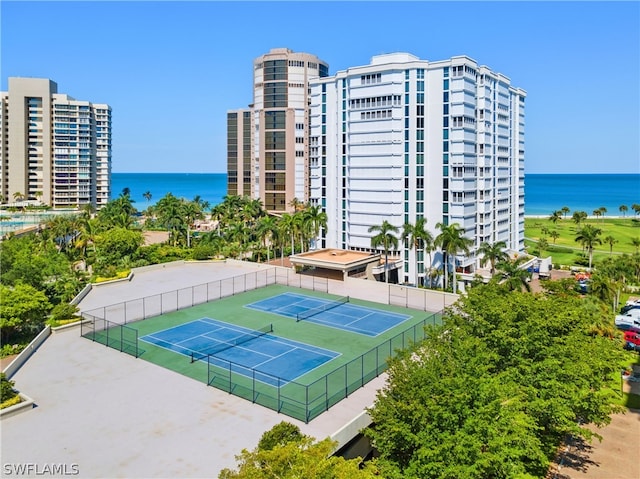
628 321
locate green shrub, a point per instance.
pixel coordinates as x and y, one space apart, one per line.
6 388
581 259
64 311
279 435
11 402
202 252
11 349
106 271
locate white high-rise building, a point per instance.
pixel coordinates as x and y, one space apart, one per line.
54 149
403 138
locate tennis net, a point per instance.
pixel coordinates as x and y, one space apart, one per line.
203 354
322 308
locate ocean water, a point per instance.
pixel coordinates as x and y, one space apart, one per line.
211 187
544 193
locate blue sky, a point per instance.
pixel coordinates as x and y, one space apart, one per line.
171 70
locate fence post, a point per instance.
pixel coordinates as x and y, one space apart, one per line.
346 381
307 405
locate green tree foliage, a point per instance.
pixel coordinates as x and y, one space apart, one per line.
589 236
279 435
285 453
34 260
417 236
493 253
452 241
513 276
22 309
6 389
385 237
117 243
493 391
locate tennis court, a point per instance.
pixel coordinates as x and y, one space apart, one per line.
298 367
333 313
251 353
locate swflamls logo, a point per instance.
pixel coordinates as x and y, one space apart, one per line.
34 469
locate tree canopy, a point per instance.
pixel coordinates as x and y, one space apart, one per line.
285 453
493 391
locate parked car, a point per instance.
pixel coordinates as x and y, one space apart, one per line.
630 321
632 340
629 307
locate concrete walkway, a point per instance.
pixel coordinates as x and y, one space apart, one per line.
112 415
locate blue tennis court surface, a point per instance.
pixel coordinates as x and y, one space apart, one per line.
350 317
269 354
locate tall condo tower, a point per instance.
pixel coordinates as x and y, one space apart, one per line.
272 164
54 149
402 139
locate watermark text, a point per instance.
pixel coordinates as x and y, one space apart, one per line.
35 469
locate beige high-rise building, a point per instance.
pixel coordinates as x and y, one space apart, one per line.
239 152
54 149
277 168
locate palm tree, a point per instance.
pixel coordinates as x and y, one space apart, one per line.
555 235
623 209
296 204
301 228
636 244
386 239
565 210
267 231
603 211
602 288
317 220
555 216
286 228
87 233
147 196
18 196
418 237
170 216
451 241
597 213
610 240
588 236
493 253
191 212
514 277
636 208
63 229
578 217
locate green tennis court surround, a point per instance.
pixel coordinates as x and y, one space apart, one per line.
358 358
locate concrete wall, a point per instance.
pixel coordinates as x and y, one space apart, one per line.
26 353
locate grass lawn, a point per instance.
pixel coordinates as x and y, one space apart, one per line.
566 251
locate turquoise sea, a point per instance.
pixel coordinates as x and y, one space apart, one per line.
544 193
